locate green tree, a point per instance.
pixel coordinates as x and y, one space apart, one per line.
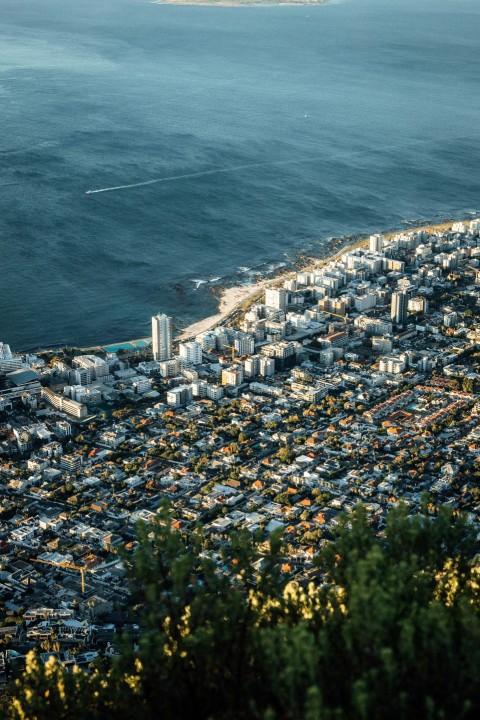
285 454
468 385
391 630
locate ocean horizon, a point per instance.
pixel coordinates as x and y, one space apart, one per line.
221 143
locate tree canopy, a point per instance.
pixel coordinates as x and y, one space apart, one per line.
387 627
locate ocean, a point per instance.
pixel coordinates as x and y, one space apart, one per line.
266 130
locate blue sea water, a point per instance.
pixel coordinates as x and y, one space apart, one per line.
350 117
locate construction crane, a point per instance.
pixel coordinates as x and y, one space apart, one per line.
67 566
233 349
477 275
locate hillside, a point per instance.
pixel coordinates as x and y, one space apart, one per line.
388 627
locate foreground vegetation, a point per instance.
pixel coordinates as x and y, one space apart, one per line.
389 627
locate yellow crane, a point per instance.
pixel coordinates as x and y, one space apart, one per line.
477 275
233 349
67 566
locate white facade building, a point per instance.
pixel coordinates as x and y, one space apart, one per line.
376 243
418 304
96 367
267 366
252 366
365 302
276 298
207 340
382 344
162 337
214 392
475 227
170 368
8 361
191 353
179 396
244 344
391 365
399 308
232 376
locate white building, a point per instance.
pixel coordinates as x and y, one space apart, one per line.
204 389
376 243
214 392
252 366
244 344
418 304
382 344
276 298
199 388
391 365
261 389
221 338
475 227
81 376
450 319
232 376
326 358
191 353
373 326
85 395
399 308
96 367
71 462
8 361
179 396
162 337
365 302
141 385
267 366
112 438
207 340
170 368
72 407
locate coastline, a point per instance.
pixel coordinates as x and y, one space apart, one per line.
231 299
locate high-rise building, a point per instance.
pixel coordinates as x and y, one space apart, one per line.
399 308
267 366
162 337
8 361
191 353
179 396
376 243
244 344
232 375
97 368
418 304
276 298
252 366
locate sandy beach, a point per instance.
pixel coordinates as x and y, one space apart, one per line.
230 299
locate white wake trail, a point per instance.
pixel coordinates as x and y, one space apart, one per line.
186 176
274 163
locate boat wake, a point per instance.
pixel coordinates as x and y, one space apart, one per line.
268 163
188 176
